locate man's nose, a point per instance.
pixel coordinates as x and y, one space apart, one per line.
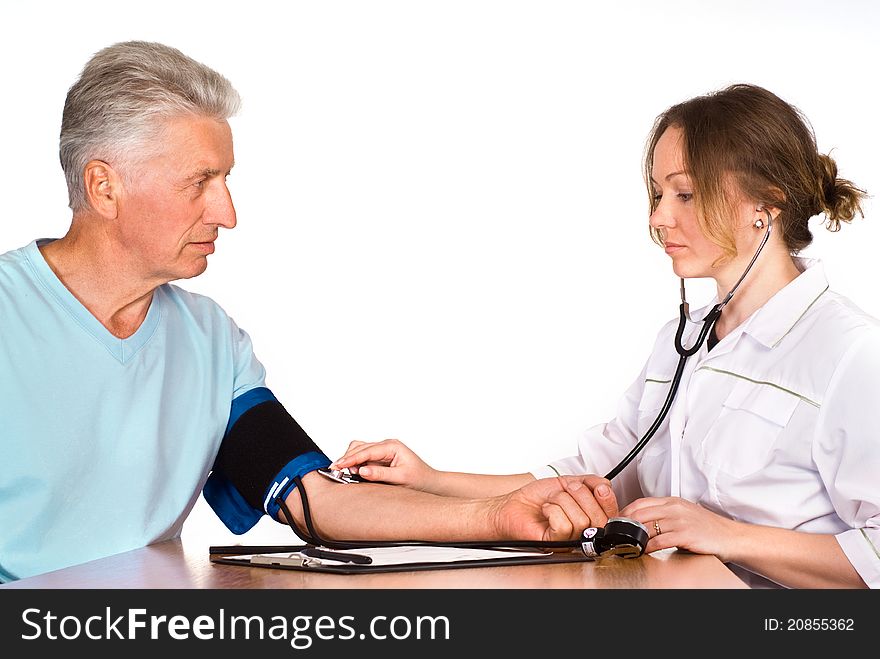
221 210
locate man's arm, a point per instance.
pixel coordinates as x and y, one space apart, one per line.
545 510
265 451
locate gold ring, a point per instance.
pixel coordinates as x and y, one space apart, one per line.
657 527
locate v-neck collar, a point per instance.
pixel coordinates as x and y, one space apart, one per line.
121 349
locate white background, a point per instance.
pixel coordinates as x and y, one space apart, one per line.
442 224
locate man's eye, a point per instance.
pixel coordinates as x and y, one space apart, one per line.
199 184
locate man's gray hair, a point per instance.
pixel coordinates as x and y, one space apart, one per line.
118 105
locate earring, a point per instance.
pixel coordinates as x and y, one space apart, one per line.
759 224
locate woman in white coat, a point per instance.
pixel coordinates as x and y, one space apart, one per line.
770 454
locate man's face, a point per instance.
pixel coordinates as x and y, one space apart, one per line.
171 208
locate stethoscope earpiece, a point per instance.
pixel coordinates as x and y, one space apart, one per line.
759 223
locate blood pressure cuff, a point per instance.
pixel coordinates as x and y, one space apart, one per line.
263 449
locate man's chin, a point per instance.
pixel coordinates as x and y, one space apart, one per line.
196 268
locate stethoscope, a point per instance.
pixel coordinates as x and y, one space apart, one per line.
620 536
684 318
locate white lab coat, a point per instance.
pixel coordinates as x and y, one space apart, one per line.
778 425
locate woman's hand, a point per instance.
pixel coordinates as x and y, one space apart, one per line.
388 461
685 525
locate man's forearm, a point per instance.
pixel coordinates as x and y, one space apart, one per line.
458 484
368 511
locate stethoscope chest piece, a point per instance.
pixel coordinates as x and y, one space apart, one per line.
340 476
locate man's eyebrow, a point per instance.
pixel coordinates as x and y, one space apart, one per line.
209 172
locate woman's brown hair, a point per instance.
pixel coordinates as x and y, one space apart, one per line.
768 147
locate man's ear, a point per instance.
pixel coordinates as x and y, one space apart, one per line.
103 187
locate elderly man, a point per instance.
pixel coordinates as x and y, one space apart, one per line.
123 397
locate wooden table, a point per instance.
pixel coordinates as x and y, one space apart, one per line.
173 565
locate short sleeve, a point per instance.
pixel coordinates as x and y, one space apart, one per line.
248 389
248 371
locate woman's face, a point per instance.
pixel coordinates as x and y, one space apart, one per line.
675 216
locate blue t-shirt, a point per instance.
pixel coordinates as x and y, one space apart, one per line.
106 443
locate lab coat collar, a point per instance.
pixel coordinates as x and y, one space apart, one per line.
780 313
769 324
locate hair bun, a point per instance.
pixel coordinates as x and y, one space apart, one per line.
828 177
838 198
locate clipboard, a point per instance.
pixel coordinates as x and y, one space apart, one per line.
404 558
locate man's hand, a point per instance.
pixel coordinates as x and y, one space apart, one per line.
553 509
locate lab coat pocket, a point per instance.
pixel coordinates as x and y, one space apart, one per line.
653 395
754 415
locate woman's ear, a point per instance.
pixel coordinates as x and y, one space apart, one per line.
777 196
761 211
